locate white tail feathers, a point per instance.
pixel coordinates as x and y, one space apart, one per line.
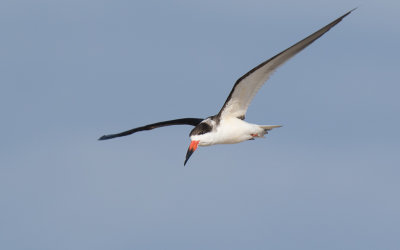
266 128
269 127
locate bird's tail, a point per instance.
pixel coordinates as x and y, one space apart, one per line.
269 127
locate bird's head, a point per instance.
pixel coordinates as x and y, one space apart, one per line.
199 136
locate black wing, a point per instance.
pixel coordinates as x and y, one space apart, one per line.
247 86
183 121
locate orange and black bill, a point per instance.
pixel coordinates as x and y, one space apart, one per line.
191 149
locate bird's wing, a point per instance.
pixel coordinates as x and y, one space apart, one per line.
247 86
183 121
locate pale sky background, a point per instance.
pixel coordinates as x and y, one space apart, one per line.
71 71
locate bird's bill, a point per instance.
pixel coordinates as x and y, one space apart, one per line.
192 147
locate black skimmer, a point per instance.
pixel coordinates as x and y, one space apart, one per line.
228 126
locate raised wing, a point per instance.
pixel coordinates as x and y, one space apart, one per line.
183 121
247 86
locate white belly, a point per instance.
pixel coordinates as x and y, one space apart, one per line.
229 131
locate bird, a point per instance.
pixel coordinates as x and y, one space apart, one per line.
229 126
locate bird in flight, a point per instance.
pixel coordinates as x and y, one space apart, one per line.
228 126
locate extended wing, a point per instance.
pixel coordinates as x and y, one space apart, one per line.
247 86
183 121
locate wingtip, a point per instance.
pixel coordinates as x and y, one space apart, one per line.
348 13
353 9
104 137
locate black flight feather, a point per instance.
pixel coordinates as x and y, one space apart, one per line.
183 121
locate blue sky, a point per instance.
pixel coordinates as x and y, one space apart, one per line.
72 71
